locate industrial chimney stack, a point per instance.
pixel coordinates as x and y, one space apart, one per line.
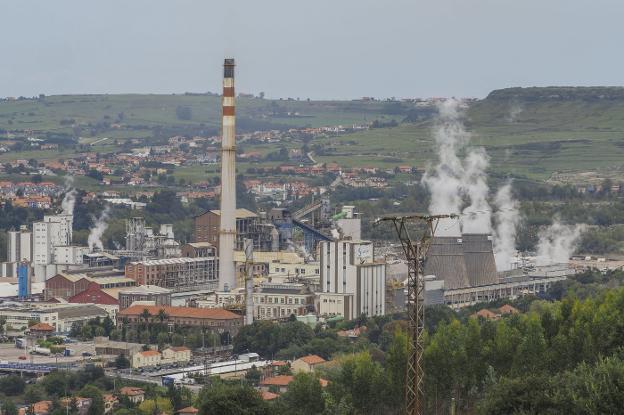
227 230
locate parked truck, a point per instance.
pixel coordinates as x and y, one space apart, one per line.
41 350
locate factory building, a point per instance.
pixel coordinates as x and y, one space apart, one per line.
19 245
141 240
144 293
60 316
68 284
216 319
53 231
350 267
271 301
176 274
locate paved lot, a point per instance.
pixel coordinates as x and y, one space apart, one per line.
10 353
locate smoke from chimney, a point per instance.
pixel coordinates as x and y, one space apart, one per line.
99 227
69 200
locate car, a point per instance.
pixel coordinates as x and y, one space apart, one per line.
87 354
22 357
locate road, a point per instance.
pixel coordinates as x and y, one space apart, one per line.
123 374
10 353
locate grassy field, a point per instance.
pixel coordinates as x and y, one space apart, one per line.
538 139
142 112
526 132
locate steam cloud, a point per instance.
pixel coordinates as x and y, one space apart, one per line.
558 242
69 200
100 225
507 219
453 178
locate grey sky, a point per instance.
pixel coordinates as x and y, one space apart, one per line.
315 48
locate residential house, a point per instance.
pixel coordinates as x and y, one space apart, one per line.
276 384
110 402
307 363
134 394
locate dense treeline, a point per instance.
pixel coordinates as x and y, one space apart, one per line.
554 357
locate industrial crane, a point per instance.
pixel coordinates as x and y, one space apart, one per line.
415 253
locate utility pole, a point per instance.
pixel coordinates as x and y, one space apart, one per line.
415 252
249 306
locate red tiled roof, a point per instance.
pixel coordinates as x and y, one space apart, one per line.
150 353
183 312
187 410
507 309
179 348
313 359
93 294
269 396
279 363
42 407
41 327
281 380
131 391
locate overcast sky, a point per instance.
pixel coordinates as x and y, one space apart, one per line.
316 48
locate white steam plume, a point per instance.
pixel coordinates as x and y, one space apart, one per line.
507 219
100 225
69 201
452 178
558 242
477 216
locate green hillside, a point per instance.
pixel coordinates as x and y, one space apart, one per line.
530 132
138 114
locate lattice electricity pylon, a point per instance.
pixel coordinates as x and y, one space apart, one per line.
415 254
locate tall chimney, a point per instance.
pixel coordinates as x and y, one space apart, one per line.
227 228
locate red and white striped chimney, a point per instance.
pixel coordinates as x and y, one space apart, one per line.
227 229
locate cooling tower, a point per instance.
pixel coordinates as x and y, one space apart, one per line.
479 259
445 260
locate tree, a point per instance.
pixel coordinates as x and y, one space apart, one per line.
146 316
396 370
34 393
361 382
253 376
232 400
12 385
524 395
156 406
97 401
9 408
122 362
86 332
162 315
162 339
175 397
304 395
